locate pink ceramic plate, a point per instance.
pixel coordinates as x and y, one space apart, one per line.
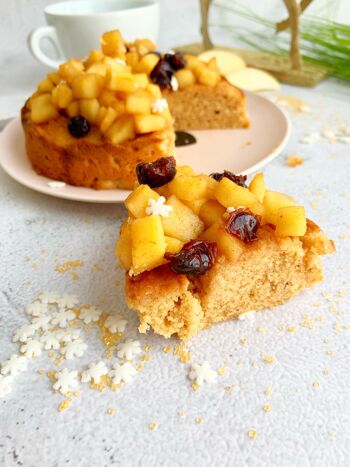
240 151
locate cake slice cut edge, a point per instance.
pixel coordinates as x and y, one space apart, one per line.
268 273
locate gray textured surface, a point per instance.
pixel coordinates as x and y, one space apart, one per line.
308 426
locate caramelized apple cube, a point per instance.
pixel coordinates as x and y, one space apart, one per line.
98 69
132 59
195 204
154 90
147 63
62 96
121 130
45 86
89 108
229 194
143 46
173 245
112 44
291 222
140 80
208 77
101 115
54 77
147 243
185 170
229 246
120 81
137 201
95 56
108 119
88 86
273 201
71 69
149 123
42 108
119 107
138 102
257 186
188 187
73 109
185 77
210 212
107 98
123 246
182 223
211 185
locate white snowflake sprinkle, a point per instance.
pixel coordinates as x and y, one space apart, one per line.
94 372
61 318
41 322
67 301
122 373
32 348
128 349
247 315
5 385
36 309
159 105
67 335
310 138
74 349
115 323
202 373
23 333
157 207
49 297
89 314
65 381
14 365
50 341
174 83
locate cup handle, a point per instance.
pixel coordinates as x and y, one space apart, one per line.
34 41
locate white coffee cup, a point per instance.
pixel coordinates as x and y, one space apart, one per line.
75 27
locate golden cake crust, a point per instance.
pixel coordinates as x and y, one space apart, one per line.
198 107
90 161
268 272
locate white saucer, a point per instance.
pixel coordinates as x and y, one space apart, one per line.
240 151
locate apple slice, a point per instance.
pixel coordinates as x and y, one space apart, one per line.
227 62
252 79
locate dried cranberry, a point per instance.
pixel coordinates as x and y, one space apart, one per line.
78 126
176 60
195 257
162 74
157 173
238 179
243 224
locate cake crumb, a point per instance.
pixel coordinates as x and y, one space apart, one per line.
268 391
152 426
166 349
51 354
294 160
64 405
58 360
147 348
244 340
228 389
198 420
316 384
52 375
262 329
330 352
267 408
222 370
269 359
326 372
139 366
181 413
252 434
291 329
195 386
111 410
145 358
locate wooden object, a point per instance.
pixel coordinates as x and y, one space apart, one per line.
291 69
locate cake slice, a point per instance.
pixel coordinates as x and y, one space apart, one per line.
200 249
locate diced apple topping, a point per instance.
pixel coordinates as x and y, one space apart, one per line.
204 209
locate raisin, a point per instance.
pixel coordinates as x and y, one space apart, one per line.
238 179
78 126
157 173
243 224
196 257
162 74
176 60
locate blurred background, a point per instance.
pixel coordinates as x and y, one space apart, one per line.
180 24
